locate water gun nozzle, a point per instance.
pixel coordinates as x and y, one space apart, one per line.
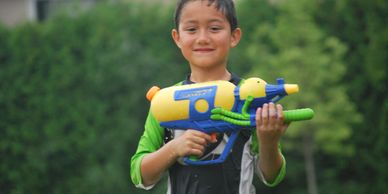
291 88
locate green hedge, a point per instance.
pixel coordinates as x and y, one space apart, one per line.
72 97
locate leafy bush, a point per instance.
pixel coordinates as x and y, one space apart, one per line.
72 97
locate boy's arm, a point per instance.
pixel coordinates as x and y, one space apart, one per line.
280 173
155 164
152 159
270 127
150 141
271 164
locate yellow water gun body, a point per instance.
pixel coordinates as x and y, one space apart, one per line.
219 106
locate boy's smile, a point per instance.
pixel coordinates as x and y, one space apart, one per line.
204 35
203 50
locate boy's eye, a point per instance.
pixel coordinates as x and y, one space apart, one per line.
215 28
190 29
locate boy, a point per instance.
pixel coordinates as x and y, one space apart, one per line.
205 31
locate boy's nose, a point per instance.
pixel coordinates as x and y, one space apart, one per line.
203 37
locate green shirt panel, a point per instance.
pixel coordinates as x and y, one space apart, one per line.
150 141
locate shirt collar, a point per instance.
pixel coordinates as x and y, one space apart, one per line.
234 79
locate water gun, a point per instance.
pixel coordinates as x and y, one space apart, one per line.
218 107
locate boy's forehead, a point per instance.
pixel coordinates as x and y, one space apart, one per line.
201 9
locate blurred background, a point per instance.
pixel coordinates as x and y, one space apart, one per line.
74 74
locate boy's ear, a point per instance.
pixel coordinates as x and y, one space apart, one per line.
236 37
175 36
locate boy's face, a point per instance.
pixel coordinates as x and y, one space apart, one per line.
204 35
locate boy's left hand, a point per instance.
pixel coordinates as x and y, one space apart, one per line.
270 124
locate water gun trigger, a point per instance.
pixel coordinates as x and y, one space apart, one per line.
213 137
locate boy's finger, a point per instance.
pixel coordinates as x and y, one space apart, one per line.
195 152
205 138
258 116
196 146
264 114
272 113
199 140
280 114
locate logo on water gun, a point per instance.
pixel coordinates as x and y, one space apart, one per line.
219 107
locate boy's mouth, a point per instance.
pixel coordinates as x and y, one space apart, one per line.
203 49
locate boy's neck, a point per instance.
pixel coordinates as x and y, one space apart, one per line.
204 75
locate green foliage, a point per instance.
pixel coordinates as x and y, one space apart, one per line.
362 26
328 48
296 49
72 98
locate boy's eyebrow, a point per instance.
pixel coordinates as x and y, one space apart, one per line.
190 22
216 20
209 21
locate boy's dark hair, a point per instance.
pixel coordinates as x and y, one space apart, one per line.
225 6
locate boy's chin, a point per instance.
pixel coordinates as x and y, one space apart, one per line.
204 64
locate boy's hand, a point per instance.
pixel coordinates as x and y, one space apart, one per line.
192 142
270 124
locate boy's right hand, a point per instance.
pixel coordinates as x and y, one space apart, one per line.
191 142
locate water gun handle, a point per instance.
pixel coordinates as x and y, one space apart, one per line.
192 160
